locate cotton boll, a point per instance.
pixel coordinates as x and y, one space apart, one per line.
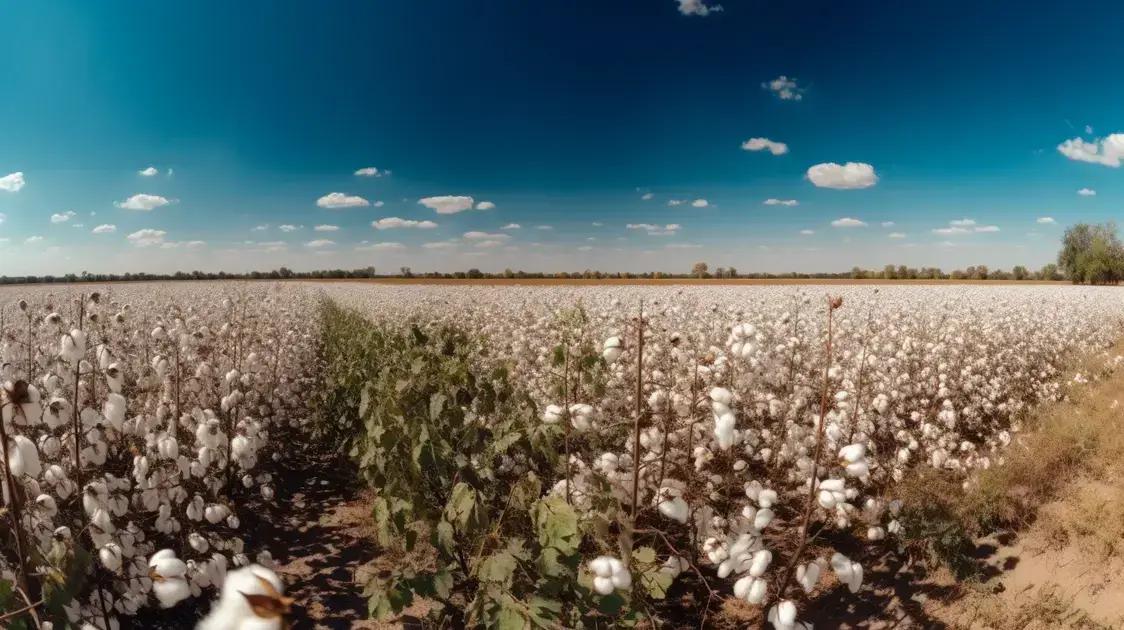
808 575
251 599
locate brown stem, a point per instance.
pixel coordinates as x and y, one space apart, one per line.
639 411
833 303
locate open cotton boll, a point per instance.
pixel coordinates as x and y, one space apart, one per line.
251 599
848 571
23 457
114 411
671 503
72 347
809 575
612 348
752 589
609 574
552 414
167 574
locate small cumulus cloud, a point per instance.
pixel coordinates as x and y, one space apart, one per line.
485 236
439 245
1107 151
698 7
781 202
849 176
485 205
151 171
342 200
447 204
896 235
387 246
371 171
1087 192
785 88
326 228
647 196
392 223
511 226
319 243
847 222
807 232
1046 221
765 144
12 182
147 237
31 240
142 202
105 228
63 217
287 228
700 203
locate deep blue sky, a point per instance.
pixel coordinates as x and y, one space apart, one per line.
561 113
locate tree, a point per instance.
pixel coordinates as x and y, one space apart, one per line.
1020 273
699 270
1092 254
1050 272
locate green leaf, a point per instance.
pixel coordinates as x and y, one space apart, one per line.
556 525
498 567
656 583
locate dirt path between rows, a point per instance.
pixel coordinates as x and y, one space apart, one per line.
321 542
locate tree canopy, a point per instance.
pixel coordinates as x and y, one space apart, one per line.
1092 253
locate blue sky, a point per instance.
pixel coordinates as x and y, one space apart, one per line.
563 115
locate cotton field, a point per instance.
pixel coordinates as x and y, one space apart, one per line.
140 419
752 422
751 436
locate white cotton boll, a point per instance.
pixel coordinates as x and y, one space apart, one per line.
233 611
848 572
267 493
757 591
724 430
198 542
552 414
612 348
766 498
875 533
23 457
110 556
858 469
232 522
852 453
760 564
72 347
114 411
808 575
722 396
46 504
826 499
762 519
603 585
783 615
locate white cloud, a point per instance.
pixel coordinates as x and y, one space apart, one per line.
647 196
781 202
949 231
260 228
489 244
371 171
1108 151
1087 192
887 224
326 228
962 222
31 240
342 200
987 228
12 182
320 243
700 203
143 202
63 217
183 244
597 224
379 204
807 232
380 247
147 237
896 235
447 204
105 228
765 144
785 88
287 228
268 246
1046 220
847 222
698 7
852 175
671 229
485 205
390 223
674 202
439 245
482 236
511 226
151 171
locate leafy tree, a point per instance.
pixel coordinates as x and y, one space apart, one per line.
1092 253
699 270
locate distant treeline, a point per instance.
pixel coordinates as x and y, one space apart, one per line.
699 271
